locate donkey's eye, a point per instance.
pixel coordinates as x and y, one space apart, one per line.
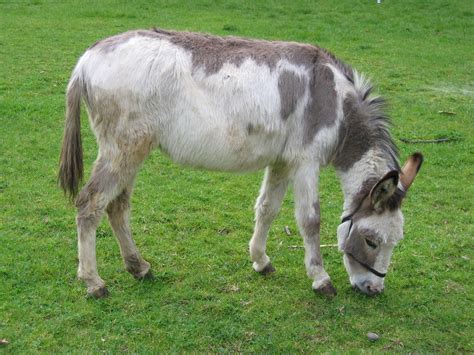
370 243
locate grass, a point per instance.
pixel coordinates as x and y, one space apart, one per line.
193 226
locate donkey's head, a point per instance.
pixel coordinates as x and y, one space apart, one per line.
369 234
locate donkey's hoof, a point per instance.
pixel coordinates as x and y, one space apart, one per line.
97 292
326 289
147 276
268 269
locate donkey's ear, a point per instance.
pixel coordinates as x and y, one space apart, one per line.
383 190
410 169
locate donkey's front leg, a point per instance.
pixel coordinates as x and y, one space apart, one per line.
275 184
308 218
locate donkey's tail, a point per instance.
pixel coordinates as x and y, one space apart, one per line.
70 164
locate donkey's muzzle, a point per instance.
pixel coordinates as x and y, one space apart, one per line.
368 288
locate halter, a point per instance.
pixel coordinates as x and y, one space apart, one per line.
367 267
401 188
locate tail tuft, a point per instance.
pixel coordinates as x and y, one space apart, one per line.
71 161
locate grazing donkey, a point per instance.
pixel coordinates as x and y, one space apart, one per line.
235 104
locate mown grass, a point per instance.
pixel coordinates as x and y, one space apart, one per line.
193 226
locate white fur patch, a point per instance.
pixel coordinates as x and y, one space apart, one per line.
343 86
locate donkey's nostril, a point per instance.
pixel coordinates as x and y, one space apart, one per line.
373 289
369 288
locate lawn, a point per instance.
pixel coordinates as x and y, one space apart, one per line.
194 226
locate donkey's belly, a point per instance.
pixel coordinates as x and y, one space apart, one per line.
220 146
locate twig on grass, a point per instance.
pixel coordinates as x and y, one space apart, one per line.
302 247
439 140
449 113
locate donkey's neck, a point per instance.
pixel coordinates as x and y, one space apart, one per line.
358 180
365 151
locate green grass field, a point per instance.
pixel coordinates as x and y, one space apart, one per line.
194 226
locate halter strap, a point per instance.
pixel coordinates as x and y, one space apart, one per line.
347 218
368 267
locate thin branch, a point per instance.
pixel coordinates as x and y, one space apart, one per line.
321 246
440 140
449 113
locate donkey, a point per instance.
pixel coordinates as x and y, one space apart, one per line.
234 104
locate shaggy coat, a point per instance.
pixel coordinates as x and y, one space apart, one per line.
233 104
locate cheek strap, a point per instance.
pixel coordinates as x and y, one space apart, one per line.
369 268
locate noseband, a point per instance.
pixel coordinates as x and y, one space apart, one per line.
367 267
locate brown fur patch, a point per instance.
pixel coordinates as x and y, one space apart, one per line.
322 108
357 246
291 87
365 127
212 52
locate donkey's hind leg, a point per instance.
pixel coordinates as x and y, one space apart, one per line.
112 173
267 207
119 213
102 187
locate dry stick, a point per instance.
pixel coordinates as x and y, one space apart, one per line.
449 113
321 246
440 140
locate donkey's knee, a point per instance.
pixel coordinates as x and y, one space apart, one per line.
266 208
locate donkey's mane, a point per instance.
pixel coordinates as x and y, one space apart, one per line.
367 124
378 119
